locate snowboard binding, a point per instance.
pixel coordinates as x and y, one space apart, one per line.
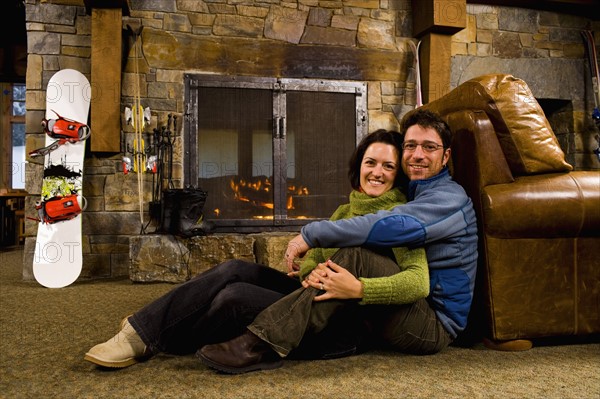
64 130
59 208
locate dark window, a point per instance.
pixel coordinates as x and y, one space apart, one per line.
13 136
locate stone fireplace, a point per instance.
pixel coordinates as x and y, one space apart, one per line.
271 153
268 153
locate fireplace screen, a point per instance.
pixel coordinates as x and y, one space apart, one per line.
272 153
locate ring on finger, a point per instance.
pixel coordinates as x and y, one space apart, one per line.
322 287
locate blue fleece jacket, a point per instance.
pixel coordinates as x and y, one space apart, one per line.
438 216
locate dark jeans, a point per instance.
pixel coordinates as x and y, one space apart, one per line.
297 319
212 307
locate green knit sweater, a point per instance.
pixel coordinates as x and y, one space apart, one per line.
408 285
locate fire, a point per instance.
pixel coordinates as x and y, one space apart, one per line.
298 190
258 193
243 189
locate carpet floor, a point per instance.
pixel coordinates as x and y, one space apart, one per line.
44 334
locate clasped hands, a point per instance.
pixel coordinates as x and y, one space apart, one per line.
333 279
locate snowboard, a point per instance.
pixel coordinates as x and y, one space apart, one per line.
58 256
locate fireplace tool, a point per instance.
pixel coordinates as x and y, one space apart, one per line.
162 150
176 211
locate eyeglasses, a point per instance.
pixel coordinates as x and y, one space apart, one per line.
427 146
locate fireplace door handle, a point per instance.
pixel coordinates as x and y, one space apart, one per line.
280 127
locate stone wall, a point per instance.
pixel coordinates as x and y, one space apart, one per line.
172 259
366 40
546 50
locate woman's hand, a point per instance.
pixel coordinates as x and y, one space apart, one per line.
296 248
336 281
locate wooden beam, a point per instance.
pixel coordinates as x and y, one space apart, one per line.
439 16
106 80
91 4
434 23
435 66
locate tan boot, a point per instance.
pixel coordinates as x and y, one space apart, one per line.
122 350
124 321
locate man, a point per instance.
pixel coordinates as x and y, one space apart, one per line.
438 216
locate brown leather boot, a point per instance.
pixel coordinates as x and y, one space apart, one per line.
240 355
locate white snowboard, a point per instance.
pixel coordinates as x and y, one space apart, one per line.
58 259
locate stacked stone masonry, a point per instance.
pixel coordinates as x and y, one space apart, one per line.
172 259
365 40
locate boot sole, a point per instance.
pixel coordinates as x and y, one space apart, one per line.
239 370
105 363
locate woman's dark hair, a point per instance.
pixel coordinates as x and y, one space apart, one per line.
427 119
379 136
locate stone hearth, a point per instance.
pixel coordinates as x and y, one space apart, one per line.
167 258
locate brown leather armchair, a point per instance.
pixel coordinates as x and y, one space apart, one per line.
539 221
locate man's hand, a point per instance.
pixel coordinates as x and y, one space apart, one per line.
296 248
336 281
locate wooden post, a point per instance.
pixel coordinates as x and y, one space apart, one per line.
435 66
106 73
434 23
106 80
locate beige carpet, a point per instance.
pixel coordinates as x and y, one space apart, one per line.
44 334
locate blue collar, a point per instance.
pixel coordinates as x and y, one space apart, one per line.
413 184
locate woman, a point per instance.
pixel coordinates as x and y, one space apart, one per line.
218 304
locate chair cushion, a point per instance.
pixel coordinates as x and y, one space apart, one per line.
526 138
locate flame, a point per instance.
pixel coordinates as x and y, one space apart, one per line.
242 191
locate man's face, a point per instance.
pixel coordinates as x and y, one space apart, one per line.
420 164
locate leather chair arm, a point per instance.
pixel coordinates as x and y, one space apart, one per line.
544 206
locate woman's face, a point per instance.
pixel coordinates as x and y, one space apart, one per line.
378 169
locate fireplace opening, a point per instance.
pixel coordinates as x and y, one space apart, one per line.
562 121
272 153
